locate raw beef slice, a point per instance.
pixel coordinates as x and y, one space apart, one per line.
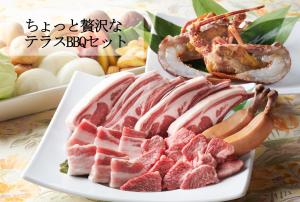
229 168
199 177
175 175
148 182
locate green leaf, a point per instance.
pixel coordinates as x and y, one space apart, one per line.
163 27
206 6
197 64
269 28
269 17
152 39
64 166
240 106
286 29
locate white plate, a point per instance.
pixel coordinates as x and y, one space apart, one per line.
290 84
44 167
38 101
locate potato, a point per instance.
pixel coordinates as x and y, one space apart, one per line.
113 69
35 80
130 61
20 68
9 31
122 50
20 53
103 59
111 55
86 65
55 61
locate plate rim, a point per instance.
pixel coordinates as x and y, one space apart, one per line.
27 175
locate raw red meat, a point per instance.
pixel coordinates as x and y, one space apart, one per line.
159 117
130 143
199 177
219 149
177 142
197 144
155 143
80 159
108 138
124 170
204 159
97 103
209 111
133 103
180 138
83 134
163 165
148 182
101 168
148 159
175 175
229 168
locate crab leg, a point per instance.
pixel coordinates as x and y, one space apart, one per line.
233 31
218 17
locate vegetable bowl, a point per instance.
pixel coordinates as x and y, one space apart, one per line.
33 71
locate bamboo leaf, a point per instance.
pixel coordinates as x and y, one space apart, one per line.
163 27
152 39
286 29
269 28
206 6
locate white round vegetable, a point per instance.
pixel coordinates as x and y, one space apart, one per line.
55 61
86 65
54 46
34 80
9 31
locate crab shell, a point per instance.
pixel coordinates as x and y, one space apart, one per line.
279 64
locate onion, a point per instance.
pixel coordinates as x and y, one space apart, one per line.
55 61
35 80
86 65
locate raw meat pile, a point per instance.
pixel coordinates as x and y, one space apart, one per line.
143 133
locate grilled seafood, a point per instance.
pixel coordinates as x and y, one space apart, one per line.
170 50
216 39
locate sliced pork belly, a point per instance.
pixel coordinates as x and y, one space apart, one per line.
210 110
148 182
101 168
178 101
97 103
83 134
108 138
130 143
124 170
137 100
80 159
